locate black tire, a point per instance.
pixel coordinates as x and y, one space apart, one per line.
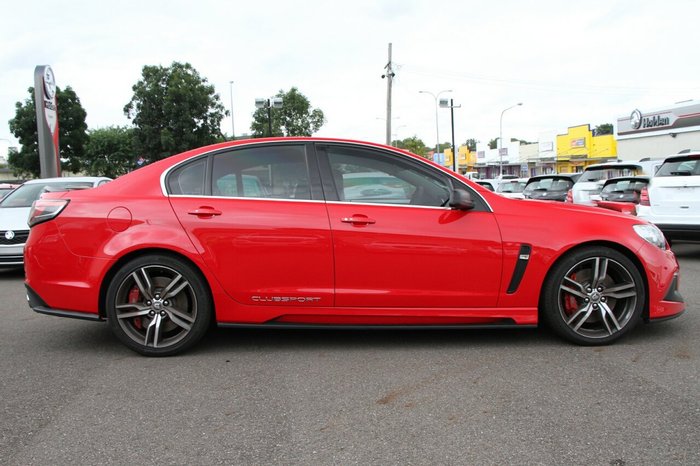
593 296
158 305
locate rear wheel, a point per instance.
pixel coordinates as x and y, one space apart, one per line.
594 296
158 305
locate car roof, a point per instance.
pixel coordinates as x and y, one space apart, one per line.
631 178
570 176
683 156
68 179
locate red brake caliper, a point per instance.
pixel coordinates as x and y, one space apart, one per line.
135 297
570 303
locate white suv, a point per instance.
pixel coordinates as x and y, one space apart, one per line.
587 188
672 199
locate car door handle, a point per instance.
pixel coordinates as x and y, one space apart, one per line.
358 219
205 212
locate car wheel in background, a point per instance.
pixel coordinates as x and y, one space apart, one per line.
593 296
158 305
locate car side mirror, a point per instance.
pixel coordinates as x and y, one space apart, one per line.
461 199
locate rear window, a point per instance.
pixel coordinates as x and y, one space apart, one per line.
28 193
680 167
624 186
605 173
549 184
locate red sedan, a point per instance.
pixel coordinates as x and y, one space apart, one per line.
299 232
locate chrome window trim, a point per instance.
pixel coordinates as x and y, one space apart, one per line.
313 141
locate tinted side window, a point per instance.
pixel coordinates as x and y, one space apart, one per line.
275 172
368 177
188 179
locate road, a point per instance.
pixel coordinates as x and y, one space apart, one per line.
71 394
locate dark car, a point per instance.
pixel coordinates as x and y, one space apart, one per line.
552 187
624 189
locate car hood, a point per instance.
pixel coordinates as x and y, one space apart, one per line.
14 218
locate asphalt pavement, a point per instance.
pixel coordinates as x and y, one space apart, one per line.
70 393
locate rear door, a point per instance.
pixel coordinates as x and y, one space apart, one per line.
257 216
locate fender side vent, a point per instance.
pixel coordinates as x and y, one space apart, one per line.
520 266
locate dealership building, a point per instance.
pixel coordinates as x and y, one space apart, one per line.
659 133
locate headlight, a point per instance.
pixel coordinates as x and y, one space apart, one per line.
652 234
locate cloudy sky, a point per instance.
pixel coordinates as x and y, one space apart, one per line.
589 62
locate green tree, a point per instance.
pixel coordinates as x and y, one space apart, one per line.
72 134
173 109
413 145
605 128
471 144
295 118
109 152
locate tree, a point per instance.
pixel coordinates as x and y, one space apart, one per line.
471 144
72 134
295 118
109 152
412 144
605 128
173 109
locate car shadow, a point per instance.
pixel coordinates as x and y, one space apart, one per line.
686 250
256 339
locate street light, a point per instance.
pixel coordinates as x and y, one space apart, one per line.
437 127
444 103
273 102
500 139
233 131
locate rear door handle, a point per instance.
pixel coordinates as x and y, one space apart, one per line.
358 219
205 212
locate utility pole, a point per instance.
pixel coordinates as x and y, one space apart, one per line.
389 75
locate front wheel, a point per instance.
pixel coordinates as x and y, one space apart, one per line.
593 296
158 305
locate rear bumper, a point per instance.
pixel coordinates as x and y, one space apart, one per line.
38 305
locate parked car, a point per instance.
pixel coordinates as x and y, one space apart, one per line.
15 207
7 188
512 188
488 184
672 199
552 187
624 189
161 255
587 188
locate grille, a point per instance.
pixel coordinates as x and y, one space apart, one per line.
20 238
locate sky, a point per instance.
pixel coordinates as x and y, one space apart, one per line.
568 63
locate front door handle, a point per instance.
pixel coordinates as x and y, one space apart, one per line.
205 212
358 219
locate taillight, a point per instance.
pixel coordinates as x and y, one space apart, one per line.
644 197
569 196
44 210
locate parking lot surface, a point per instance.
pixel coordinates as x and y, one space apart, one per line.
71 394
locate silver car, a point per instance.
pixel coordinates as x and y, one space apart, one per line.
14 212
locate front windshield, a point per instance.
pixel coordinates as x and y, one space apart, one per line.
28 193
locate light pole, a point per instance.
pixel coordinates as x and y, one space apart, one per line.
269 104
451 105
437 127
500 139
233 131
